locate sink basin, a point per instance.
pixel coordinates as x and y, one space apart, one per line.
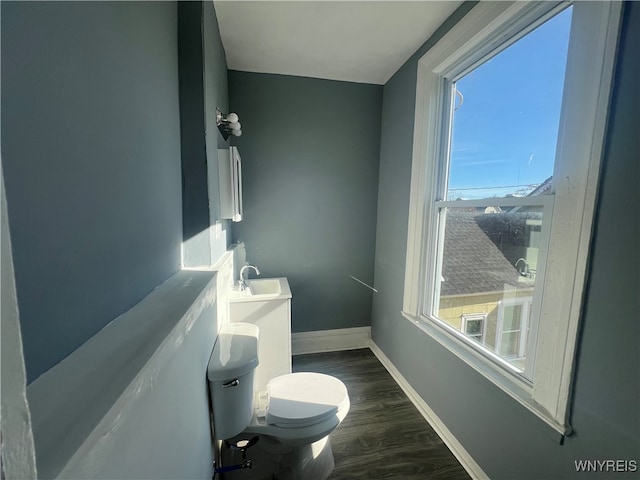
262 289
266 286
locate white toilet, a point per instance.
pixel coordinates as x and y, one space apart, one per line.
297 409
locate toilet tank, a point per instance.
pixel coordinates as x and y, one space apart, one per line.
230 374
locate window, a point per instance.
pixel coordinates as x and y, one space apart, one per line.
512 332
473 326
510 118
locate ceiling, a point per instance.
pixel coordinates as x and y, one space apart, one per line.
355 41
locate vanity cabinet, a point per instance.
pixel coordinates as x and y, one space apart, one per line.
272 315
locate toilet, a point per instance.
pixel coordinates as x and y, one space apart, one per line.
297 409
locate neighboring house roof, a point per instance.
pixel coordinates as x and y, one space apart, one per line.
476 253
543 188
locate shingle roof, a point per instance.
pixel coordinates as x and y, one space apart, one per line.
474 253
543 188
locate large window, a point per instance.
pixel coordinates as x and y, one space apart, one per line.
502 124
510 114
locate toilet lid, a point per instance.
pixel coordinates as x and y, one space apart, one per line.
301 399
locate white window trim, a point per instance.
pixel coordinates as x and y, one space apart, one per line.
586 98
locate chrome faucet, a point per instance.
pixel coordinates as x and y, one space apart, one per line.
244 276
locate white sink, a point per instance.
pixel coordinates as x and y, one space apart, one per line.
262 289
264 286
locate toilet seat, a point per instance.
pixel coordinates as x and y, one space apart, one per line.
300 408
299 400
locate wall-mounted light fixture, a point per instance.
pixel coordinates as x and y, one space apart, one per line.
228 124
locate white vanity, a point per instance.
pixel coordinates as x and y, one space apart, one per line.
266 303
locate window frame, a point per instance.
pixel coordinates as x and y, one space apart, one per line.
487 29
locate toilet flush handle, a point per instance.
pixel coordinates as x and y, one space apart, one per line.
233 383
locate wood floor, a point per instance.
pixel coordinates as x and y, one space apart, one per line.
383 436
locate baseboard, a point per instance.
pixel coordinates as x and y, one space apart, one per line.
330 340
467 462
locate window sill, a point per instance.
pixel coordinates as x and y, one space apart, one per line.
508 381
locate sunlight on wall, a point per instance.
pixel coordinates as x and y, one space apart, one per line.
204 248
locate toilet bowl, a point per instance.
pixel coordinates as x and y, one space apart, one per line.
297 409
300 408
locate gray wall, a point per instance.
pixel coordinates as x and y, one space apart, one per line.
195 205
132 402
203 87
164 431
91 158
310 151
17 455
506 440
216 95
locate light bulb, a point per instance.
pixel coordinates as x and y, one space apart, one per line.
232 117
236 133
234 125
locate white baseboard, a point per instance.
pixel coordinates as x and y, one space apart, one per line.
467 462
330 340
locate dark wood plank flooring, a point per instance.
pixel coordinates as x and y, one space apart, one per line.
384 435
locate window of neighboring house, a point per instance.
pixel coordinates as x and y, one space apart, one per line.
473 326
512 330
508 137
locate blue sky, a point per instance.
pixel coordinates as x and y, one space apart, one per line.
505 131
